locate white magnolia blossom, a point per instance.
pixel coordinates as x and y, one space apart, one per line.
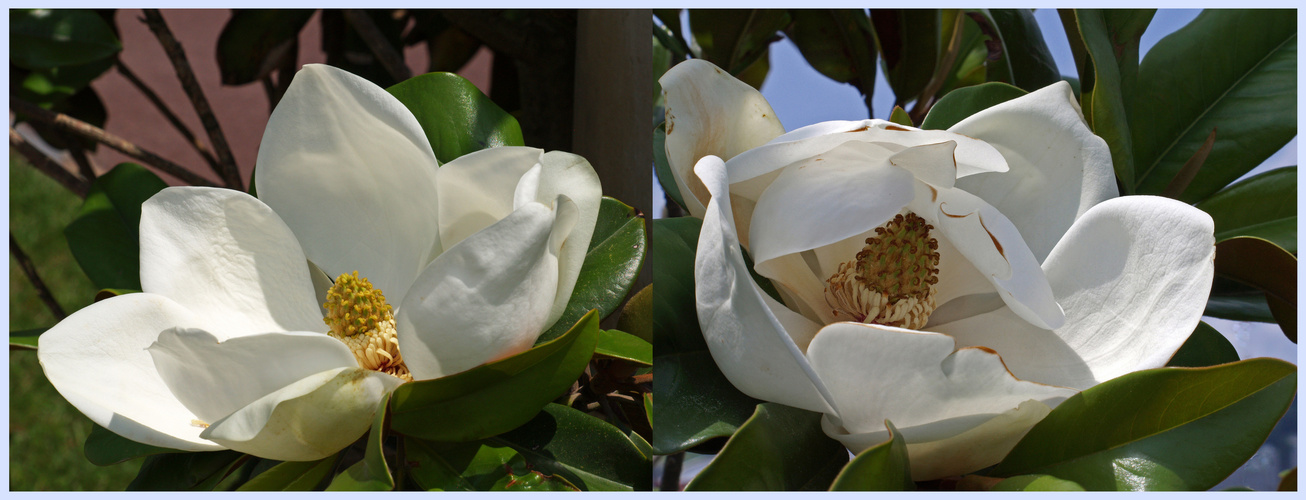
1025 277
226 346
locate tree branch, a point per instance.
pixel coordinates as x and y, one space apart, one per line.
84 129
169 115
392 60
229 173
30 270
47 166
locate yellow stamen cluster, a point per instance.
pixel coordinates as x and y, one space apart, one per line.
891 281
360 317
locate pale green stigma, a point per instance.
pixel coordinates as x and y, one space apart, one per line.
360 317
891 281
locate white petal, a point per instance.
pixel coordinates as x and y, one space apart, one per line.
917 381
1058 167
349 169
972 156
476 189
488 297
309 419
96 359
710 112
214 378
748 342
229 259
993 245
934 164
572 176
1133 275
825 199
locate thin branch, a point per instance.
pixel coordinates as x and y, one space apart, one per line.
391 59
47 166
84 129
79 156
671 472
30 270
170 116
229 173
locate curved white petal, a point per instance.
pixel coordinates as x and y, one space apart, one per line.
710 112
933 164
993 245
972 156
570 175
349 169
96 359
1133 275
827 198
748 342
229 259
309 419
214 378
1058 167
487 297
929 391
476 189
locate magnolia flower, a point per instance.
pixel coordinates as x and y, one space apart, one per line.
241 340
958 283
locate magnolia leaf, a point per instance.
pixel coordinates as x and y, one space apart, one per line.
103 447
1036 482
663 169
1205 347
840 44
1263 265
961 103
611 266
1155 429
25 339
735 39
1234 69
883 467
1264 206
46 38
589 453
371 473
471 466
254 41
621 345
104 237
909 45
292 476
199 471
457 118
900 117
779 448
495 397
637 315
1110 38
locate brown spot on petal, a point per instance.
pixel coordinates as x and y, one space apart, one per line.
945 212
994 238
934 193
863 128
896 128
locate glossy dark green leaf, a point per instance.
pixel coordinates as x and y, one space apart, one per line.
103 447
900 117
471 466
1156 429
457 118
291 476
663 168
1036 482
532 481
46 38
961 103
1026 61
840 44
696 403
970 58
735 39
622 345
883 467
1240 307
1264 206
25 339
909 44
637 315
669 35
611 265
1230 70
1263 265
1110 38
1205 347
104 237
199 471
371 473
48 87
588 452
495 397
779 448
1289 480
253 42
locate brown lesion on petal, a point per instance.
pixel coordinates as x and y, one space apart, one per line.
897 128
863 128
934 193
996 244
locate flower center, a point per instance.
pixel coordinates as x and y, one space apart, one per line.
891 281
359 316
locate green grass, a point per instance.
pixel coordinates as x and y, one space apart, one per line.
45 432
